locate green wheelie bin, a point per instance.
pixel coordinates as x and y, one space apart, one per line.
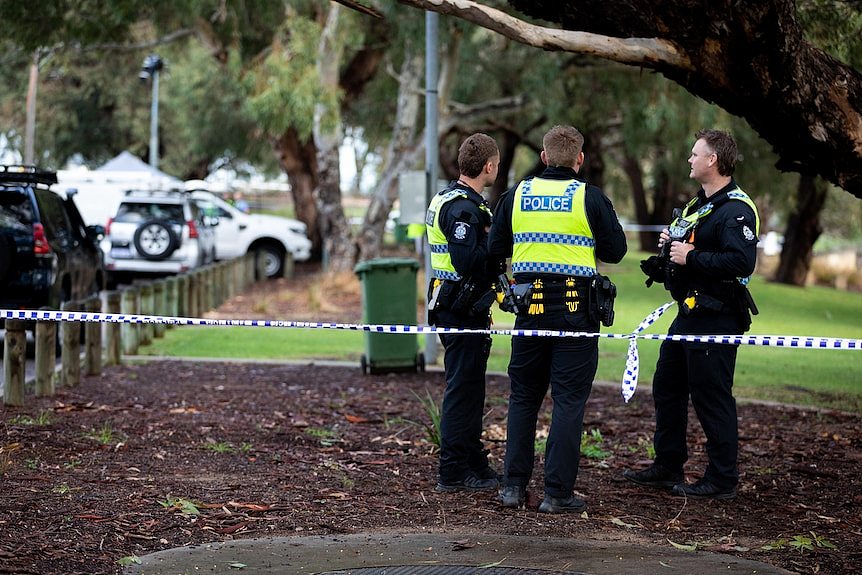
389 298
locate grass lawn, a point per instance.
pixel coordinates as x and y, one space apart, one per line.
830 378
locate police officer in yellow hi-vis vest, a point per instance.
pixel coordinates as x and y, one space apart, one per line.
460 295
554 227
708 253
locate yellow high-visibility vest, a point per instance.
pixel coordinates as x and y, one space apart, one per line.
689 218
441 261
550 229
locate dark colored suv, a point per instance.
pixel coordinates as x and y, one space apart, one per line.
47 254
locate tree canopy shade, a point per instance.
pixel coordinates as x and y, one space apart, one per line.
750 58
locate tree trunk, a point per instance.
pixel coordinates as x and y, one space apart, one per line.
803 229
299 160
400 156
593 170
508 145
632 169
338 251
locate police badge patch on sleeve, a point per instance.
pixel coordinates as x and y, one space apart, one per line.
461 230
746 231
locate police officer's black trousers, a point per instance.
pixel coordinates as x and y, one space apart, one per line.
704 372
568 366
461 449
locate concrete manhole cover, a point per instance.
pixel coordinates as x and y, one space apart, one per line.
445 570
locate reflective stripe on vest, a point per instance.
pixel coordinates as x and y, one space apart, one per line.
705 210
550 229
441 261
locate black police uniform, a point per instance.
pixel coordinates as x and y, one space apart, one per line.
725 249
462 453
567 364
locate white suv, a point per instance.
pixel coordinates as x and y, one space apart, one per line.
157 233
239 233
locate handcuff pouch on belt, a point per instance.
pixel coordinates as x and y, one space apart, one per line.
602 293
463 298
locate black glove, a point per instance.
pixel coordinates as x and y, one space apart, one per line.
655 268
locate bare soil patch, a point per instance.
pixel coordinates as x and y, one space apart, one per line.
165 454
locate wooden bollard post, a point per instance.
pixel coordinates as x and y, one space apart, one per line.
236 278
223 287
159 304
46 357
259 266
183 295
93 339
239 263
193 310
203 291
147 306
250 268
214 285
229 285
219 291
113 342
172 307
210 285
287 271
129 302
14 362
70 356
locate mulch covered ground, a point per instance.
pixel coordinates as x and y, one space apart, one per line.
164 454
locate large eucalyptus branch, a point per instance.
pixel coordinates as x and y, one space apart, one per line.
639 51
751 59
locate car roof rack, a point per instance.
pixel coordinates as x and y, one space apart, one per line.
155 193
20 173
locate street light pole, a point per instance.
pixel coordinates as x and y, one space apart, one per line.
152 65
154 123
432 158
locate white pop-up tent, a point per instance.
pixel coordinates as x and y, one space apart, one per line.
100 191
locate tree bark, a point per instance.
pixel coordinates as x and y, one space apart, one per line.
750 58
803 229
399 157
632 169
298 159
338 251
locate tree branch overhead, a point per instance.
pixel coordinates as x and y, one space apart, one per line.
750 58
636 51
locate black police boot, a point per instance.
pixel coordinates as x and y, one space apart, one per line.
655 476
470 482
487 472
570 504
513 496
704 489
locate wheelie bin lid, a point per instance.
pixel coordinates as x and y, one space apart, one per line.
385 264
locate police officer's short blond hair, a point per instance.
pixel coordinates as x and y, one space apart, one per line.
724 146
562 145
475 152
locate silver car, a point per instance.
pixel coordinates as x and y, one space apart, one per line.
157 233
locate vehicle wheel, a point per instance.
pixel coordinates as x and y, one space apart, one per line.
363 363
155 240
273 260
420 362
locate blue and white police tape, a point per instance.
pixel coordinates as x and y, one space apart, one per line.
632 361
630 375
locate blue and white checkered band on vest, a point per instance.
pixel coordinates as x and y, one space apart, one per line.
551 234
